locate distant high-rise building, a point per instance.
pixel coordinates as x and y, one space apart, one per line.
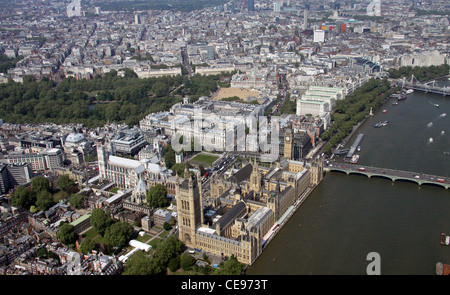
305 19
251 5
137 19
12 175
277 6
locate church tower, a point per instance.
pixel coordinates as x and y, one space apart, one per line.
104 150
189 208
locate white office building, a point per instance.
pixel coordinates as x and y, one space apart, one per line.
319 36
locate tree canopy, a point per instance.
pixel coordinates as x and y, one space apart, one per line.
44 200
76 201
421 73
186 261
23 197
157 196
40 183
353 109
100 221
87 245
65 183
118 234
230 267
94 102
142 264
66 234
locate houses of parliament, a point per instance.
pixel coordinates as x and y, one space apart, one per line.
247 204
243 207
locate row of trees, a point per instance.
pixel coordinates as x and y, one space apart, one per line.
94 102
170 255
166 252
353 109
288 106
421 73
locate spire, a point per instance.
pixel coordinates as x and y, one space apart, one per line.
186 171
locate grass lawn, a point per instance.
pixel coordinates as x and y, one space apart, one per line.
203 159
143 238
92 234
164 233
155 242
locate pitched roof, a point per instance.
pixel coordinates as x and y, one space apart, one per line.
242 174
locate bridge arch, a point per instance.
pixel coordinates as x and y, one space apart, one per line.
393 175
383 176
358 172
407 180
339 170
430 183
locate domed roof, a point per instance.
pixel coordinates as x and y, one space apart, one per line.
74 137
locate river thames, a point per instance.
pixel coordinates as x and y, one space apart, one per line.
348 216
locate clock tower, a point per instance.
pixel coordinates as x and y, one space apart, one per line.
288 143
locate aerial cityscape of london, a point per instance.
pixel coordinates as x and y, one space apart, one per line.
243 137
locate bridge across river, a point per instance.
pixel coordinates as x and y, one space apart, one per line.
392 174
429 87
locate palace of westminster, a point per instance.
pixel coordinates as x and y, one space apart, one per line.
246 205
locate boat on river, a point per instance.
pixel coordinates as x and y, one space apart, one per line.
402 97
354 159
381 124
